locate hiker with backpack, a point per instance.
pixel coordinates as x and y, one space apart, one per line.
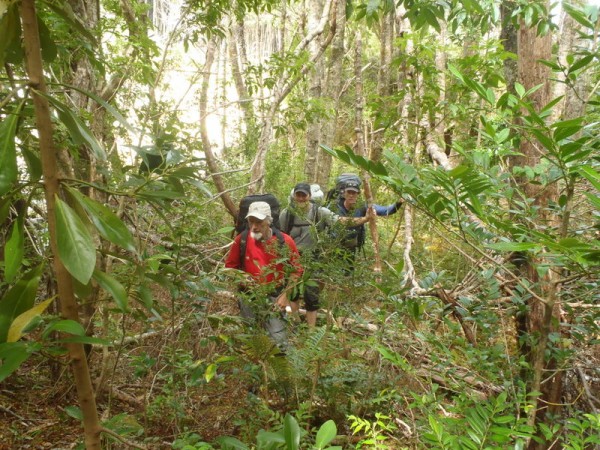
347 205
270 259
303 220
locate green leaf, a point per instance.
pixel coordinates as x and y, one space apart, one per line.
34 164
13 251
513 246
231 443
326 434
18 299
79 131
113 287
591 175
210 372
581 63
10 36
47 44
65 326
22 320
266 439
74 412
109 108
291 431
578 16
106 222
75 245
12 355
66 13
8 154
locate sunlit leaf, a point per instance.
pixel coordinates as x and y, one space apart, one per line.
18 299
22 320
210 372
75 245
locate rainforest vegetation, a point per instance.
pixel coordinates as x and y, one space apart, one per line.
131 129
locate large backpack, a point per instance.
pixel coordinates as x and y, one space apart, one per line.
341 183
241 223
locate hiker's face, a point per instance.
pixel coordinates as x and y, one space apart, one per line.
301 199
258 228
351 197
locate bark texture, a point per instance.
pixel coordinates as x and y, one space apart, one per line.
68 304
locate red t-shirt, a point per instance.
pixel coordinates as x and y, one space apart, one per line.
264 259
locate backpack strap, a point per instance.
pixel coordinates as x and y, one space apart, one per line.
279 235
243 244
290 219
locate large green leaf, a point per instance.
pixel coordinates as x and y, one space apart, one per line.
231 443
13 251
13 354
75 245
8 155
106 222
11 50
291 432
326 434
18 299
113 287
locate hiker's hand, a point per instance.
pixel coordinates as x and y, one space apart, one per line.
282 302
371 213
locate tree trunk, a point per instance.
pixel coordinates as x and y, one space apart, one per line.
281 91
69 307
313 133
211 160
360 146
540 315
334 88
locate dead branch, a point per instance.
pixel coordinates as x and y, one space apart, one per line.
451 301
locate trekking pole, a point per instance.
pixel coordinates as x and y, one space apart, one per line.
360 147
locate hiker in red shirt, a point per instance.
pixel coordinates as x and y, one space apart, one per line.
271 260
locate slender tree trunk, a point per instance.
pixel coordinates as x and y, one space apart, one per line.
68 304
360 145
334 89
313 133
211 160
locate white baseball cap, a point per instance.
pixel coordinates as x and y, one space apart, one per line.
259 210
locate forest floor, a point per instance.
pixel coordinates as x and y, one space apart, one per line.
145 398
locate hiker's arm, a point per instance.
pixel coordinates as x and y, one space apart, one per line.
388 210
284 298
233 258
354 221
